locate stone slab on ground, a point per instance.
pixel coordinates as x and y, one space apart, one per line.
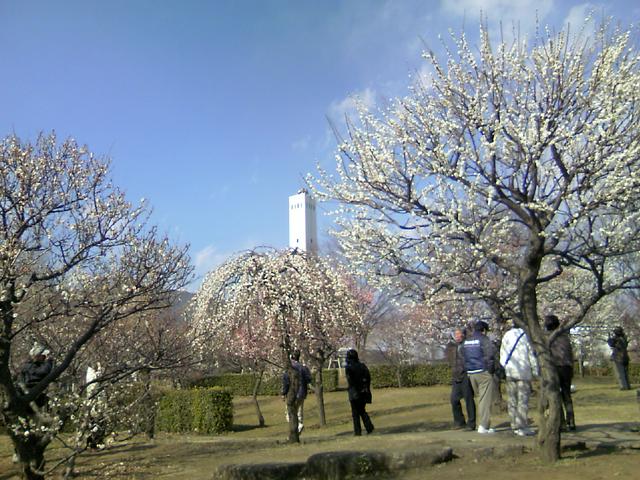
263 471
416 450
338 465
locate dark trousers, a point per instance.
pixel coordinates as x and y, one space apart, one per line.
565 375
622 372
358 411
462 390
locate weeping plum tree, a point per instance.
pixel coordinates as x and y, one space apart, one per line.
263 304
518 162
76 260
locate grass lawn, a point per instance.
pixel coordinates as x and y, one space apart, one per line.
404 419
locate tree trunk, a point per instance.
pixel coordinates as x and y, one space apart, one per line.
399 375
292 412
550 410
256 388
292 403
148 406
30 451
319 391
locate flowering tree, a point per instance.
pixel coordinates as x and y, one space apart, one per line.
263 304
117 397
517 161
76 260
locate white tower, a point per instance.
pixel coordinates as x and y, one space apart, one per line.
303 232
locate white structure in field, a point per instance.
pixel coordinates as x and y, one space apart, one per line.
303 232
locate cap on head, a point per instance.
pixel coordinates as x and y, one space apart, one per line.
352 354
481 326
551 322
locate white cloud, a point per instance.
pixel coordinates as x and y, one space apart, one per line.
301 144
391 25
521 15
348 107
206 260
581 21
424 75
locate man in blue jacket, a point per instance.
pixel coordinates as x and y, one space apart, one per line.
479 360
301 394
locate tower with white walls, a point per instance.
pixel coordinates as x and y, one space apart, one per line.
303 232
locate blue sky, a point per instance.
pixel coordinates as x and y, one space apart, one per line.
215 110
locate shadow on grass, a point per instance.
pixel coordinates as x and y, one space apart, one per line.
418 427
10 475
245 428
631 427
403 409
583 454
406 428
119 448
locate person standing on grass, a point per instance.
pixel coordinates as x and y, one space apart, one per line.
519 363
562 357
359 381
479 360
301 394
461 386
620 356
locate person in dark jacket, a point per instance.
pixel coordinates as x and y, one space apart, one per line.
34 370
303 387
562 357
479 360
620 356
461 386
359 380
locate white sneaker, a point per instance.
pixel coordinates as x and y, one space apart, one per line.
481 429
300 428
520 432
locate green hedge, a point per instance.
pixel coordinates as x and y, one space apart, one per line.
201 410
634 372
384 376
241 384
608 370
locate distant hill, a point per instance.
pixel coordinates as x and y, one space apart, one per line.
180 302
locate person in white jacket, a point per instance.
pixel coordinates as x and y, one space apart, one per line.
520 365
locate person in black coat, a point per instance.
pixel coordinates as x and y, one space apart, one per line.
359 380
461 385
37 368
620 356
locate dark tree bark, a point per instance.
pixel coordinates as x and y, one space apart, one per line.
256 388
319 392
292 403
550 405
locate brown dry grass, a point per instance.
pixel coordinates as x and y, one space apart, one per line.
403 419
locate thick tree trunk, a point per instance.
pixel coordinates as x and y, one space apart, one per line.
30 448
550 410
292 403
549 407
30 452
256 388
319 391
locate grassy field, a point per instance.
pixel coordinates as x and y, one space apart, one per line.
400 417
